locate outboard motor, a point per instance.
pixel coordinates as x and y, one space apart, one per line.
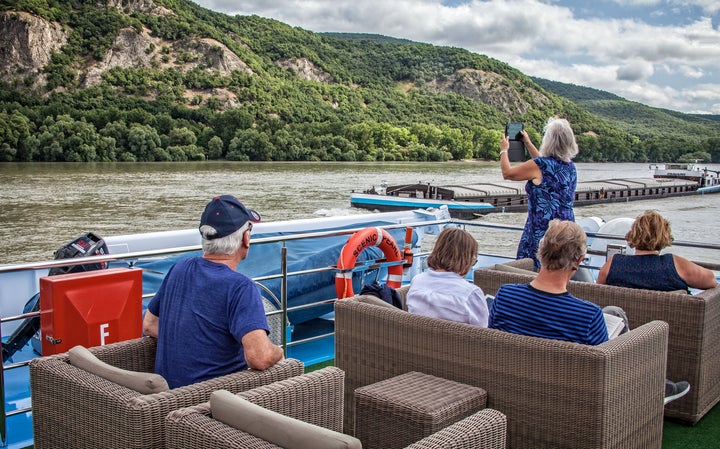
88 244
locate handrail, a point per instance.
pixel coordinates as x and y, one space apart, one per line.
679 243
183 249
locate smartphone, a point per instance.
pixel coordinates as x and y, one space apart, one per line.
516 152
513 129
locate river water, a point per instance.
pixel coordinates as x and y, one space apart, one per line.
43 206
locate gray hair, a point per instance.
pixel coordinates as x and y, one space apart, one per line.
563 244
225 245
558 140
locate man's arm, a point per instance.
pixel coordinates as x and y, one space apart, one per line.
260 352
150 324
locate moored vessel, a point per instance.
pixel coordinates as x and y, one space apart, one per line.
469 201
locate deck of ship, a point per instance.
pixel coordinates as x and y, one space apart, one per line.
510 196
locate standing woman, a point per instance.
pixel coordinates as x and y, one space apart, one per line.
551 180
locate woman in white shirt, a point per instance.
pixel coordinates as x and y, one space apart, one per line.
442 290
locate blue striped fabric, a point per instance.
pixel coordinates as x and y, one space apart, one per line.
522 309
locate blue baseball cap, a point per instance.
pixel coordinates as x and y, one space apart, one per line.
227 214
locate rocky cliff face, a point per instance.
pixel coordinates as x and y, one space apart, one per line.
305 69
26 44
141 50
211 54
147 6
489 88
128 50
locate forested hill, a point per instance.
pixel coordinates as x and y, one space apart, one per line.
159 80
632 117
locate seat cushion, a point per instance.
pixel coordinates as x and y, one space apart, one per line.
370 299
512 269
281 430
145 383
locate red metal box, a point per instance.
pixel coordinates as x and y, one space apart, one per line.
90 309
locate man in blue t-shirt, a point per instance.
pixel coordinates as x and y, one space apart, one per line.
544 308
208 318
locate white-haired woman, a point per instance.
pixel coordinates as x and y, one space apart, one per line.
551 181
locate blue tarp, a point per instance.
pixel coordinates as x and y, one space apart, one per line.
265 260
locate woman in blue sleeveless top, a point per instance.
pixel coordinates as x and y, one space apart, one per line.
551 180
647 268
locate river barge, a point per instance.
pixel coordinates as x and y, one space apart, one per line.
708 180
693 172
473 200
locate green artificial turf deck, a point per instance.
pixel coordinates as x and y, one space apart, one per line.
703 435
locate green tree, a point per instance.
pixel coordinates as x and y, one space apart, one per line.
362 135
144 143
118 131
182 137
15 128
228 123
456 143
427 134
589 148
696 156
485 142
712 146
215 148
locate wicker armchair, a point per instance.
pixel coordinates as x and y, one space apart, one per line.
74 408
555 394
316 398
694 330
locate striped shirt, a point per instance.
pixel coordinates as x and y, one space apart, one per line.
522 309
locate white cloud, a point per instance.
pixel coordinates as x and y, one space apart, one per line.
634 71
710 92
691 72
708 6
706 95
537 37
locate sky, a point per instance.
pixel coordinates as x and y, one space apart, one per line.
662 53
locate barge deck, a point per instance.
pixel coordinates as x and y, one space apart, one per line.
473 200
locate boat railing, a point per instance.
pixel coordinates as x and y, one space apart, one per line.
714 266
283 274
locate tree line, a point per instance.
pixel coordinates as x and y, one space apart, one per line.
139 135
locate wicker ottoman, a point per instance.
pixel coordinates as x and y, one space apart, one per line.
399 411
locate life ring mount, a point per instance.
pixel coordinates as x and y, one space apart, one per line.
356 244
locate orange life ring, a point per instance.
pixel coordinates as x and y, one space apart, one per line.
355 245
